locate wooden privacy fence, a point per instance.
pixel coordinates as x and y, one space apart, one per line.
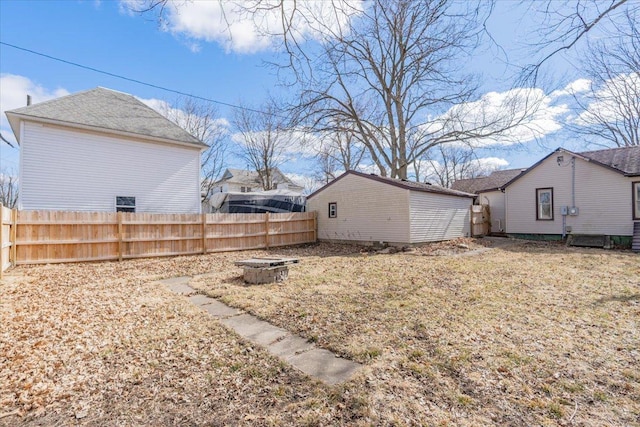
7 219
37 237
480 220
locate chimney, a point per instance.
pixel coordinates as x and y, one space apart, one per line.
28 100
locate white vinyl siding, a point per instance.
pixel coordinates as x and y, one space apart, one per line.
71 170
636 200
367 211
601 195
436 217
495 200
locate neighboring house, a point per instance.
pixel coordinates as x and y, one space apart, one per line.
588 193
490 192
245 181
102 150
366 208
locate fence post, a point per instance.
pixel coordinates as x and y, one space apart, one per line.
266 230
12 237
315 226
119 236
471 220
204 233
1 241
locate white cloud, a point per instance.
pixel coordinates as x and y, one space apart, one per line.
616 99
249 27
309 184
182 118
13 94
527 114
291 144
491 163
14 90
575 87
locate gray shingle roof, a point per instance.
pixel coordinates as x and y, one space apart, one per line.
486 183
409 185
105 109
624 159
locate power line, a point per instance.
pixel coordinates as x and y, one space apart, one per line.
75 64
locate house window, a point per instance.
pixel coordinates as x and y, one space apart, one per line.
125 204
636 200
333 210
544 204
245 189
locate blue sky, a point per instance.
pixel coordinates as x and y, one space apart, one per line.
185 57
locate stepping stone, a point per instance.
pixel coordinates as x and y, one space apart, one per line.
200 299
324 365
298 352
181 289
175 280
178 285
254 329
290 346
218 309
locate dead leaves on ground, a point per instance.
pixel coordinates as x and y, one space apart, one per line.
528 334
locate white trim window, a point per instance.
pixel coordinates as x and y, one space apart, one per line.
125 204
544 204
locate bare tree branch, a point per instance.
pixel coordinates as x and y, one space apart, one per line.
608 112
265 137
202 121
396 70
565 23
8 188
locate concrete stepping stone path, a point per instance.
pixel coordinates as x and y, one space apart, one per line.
298 352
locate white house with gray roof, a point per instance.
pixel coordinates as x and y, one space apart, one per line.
366 208
246 181
102 150
593 193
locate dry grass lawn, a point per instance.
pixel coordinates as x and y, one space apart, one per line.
526 334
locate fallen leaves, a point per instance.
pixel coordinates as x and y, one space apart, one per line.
530 334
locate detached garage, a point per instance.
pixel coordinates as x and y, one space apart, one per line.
367 208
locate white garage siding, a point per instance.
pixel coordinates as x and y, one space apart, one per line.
436 217
367 211
73 170
602 196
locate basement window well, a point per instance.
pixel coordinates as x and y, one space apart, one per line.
125 204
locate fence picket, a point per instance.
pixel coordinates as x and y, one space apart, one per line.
54 236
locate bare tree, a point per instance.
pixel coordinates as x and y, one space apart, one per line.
201 120
609 110
449 163
338 153
8 189
395 79
563 24
393 74
264 139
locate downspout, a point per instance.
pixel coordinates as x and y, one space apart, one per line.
573 196
573 182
